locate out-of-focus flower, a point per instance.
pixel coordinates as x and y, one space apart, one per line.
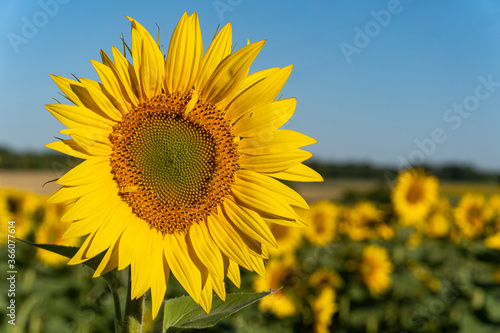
323 308
21 207
325 278
438 223
413 196
375 269
322 219
365 221
287 239
470 215
280 273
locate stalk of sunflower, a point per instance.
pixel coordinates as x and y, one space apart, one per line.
182 161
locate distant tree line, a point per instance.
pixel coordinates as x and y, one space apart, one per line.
449 172
10 159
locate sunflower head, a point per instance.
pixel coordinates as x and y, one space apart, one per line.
375 268
282 274
322 220
323 308
414 194
471 215
183 157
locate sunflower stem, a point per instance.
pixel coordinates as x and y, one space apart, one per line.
112 284
134 308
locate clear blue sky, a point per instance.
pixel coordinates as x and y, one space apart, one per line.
387 82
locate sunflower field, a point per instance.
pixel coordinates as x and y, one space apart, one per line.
417 262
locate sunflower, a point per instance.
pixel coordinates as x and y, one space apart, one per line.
282 274
322 220
325 278
323 308
365 221
492 210
287 239
375 269
471 215
438 223
183 157
413 196
18 206
51 231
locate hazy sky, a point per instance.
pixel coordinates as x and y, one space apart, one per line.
389 82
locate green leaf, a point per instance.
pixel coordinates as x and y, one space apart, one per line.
67 251
183 312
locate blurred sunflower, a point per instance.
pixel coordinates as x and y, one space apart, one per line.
470 215
365 221
322 220
51 231
182 155
323 308
414 194
375 269
21 207
492 211
325 278
438 224
280 274
287 239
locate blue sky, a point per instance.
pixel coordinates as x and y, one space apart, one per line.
388 82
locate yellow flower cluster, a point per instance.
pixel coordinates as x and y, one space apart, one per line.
306 264
35 220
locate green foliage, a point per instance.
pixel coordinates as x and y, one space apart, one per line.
183 312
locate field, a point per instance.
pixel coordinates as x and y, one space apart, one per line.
360 266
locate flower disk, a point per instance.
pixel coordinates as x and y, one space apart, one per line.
172 169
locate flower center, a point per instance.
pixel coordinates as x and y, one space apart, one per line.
173 167
415 193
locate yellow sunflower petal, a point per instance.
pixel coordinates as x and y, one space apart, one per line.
276 142
71 115
89 203
298 173
92 147
206 249
273 185
219 49
91 170
249 222
266 118
219 287
148 60
185 271
256 77
260 93
68 147
206 296
126 249
258 198
127 76
108 263
85 226
230 74
274 162
112 85
232 271
228 240
109 230
89 133
101 101
184 55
